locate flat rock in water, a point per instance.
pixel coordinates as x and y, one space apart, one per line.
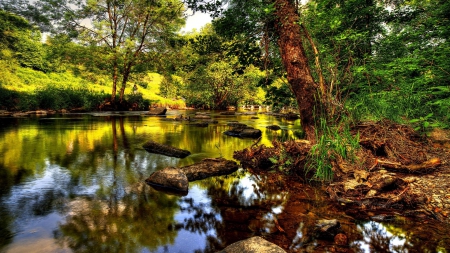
158 148
209 167
169 178
228 113
202 116
157 111
247 132
254 244
236 124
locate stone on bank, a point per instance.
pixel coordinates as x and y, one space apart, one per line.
254 244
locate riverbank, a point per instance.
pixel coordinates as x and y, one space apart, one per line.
398 175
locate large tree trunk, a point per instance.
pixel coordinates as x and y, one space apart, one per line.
294 59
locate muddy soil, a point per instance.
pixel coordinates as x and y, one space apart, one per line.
398 174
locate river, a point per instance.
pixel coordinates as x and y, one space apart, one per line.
75 183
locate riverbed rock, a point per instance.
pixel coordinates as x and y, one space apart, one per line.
20 114
236 124
202 116
209 167
157 111
228 113
176 180
4 113
162 149
254 244
246 132
327 229
169 178
199 124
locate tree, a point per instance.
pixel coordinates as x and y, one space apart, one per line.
23 39
277 20
213 75
125 29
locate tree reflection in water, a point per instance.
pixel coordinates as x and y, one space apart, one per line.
389 237
238 207
138 220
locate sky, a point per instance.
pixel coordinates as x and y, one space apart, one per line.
197 21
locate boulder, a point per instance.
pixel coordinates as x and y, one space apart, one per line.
254 244
244 132
158 148
170 178
176 180
157 111
209 167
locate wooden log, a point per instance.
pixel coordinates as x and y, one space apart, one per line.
413 168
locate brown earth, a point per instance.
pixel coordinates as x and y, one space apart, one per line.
397 172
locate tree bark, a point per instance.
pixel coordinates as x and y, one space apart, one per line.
294 59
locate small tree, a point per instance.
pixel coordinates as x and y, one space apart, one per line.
125 29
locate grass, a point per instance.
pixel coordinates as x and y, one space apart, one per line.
27 89
333 141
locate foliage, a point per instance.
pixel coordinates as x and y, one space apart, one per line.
213 77
386 58
332 142
283 161
122 31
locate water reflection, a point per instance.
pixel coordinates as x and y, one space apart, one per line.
85 173
75 184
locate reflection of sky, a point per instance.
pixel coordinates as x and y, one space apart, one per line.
188 241
34 233
377 230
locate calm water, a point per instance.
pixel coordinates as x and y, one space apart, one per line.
75 183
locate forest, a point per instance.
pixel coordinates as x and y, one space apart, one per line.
333 62
374 59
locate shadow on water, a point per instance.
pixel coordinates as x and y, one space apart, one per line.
76 184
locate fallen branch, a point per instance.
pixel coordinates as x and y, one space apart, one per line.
430 164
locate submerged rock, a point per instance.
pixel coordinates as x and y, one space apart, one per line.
199 124
254 244
169 178
157 111
158 148
327 229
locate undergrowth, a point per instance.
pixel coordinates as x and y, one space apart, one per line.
333 141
